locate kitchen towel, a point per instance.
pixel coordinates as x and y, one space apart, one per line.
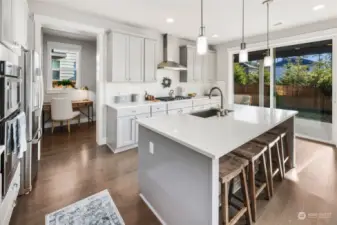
21 131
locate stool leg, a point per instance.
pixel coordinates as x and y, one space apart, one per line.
264 162
230 191
270 171
246 196
279 161
282 157
251 180
287 150
225 205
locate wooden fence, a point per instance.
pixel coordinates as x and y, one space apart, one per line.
291 97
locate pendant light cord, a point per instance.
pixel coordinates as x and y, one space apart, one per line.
243 21
202 28
268 25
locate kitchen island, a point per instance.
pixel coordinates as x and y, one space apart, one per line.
179 159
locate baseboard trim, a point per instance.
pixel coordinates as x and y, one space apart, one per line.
152 209
122 149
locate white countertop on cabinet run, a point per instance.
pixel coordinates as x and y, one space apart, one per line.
217 136
149 103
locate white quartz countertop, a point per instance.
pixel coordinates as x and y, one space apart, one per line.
149 103
133 104
217 136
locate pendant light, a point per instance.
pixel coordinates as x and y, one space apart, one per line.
268 61
243 56
202 44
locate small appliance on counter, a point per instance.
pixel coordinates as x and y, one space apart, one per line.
121 98
134 97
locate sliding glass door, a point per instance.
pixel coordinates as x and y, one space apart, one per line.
251 80
303 81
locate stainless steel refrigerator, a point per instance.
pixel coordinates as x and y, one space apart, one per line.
33 103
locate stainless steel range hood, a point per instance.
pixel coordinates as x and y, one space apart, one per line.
168 63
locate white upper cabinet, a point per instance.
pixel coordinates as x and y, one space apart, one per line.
150 65
14 22
119 56
198 67
136 59
133 59
6 29
187 58
209 67
212 66
20 15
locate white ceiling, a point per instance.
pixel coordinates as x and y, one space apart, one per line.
222 17
77 35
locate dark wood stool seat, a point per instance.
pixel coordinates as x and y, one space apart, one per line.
285 152
272 142
230 167
252 152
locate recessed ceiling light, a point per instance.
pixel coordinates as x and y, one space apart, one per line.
318 7
169 20
215 36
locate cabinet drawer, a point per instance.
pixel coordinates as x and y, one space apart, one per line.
162 113
9 201
132 111
158 108
179 104
199 102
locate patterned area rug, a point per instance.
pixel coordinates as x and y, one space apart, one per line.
98 209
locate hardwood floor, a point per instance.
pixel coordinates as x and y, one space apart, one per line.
73 167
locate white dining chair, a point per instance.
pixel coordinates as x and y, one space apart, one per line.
62 110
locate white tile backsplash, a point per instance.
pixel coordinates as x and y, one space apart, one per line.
155 88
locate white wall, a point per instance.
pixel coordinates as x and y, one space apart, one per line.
291 36
155 88
87 70
105 91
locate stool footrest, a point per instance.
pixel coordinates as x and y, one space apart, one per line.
238 216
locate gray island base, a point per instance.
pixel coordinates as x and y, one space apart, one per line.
179 159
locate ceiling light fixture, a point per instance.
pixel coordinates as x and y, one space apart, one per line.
202 44
318 7
268 61
169 20
243 55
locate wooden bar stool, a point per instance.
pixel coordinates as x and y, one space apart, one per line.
253 152
230 167
272 142
285 152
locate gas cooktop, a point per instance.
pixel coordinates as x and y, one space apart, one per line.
167 99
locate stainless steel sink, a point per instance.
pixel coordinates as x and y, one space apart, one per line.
206 113
209 113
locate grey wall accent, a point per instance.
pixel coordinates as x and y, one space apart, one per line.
88 59
175 180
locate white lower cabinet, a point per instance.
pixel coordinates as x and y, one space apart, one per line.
9 202
163 113
180 111
125 131
122 131
135 126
